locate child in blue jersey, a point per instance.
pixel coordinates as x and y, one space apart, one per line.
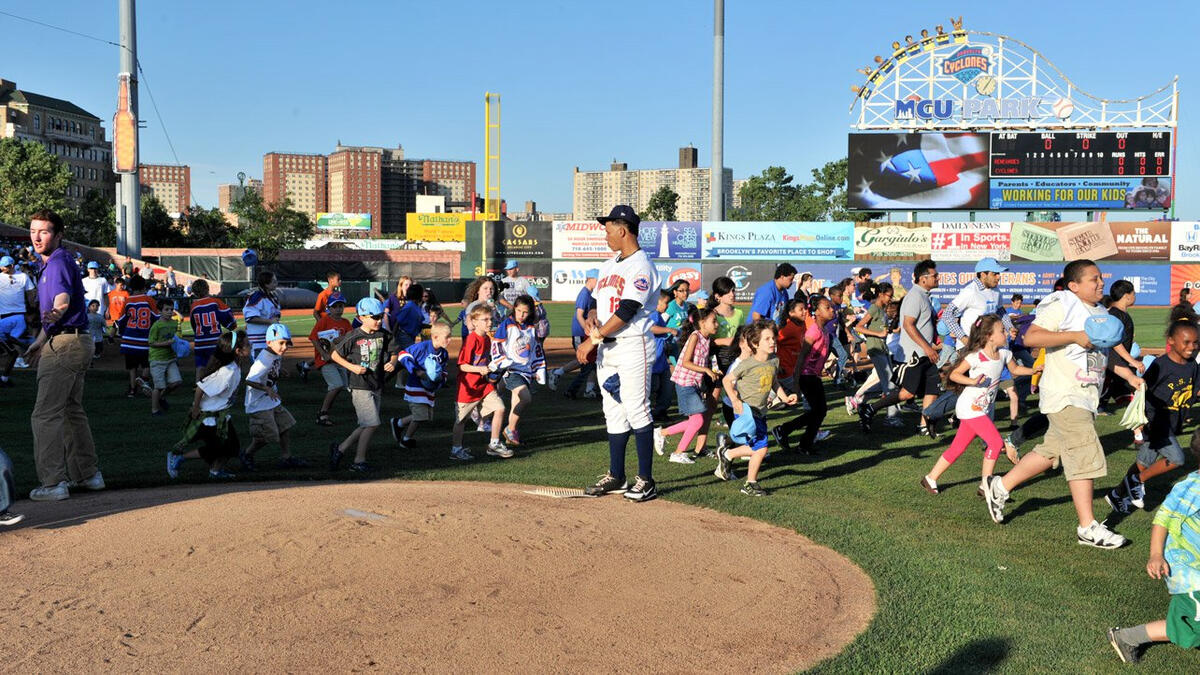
423 382
660 372
519 353
208 316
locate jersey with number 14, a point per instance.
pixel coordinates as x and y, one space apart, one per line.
632 278
208 316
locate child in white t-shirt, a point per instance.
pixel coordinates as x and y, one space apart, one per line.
209 420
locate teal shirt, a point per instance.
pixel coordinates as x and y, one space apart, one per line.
1180 515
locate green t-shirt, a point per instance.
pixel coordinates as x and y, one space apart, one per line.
160 331
726 327
878 323
754 380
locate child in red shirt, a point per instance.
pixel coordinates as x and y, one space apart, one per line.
789 341
475 388
329 327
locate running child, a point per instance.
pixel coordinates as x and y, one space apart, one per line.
795 321
164 366
1172 386
519 354
811 359
209 421
139 312
1174 558
425 363
476 393
977 376
749 384
269 420
330 328
693 387
664 340
876 327
368 354
261 311
208 316
96 328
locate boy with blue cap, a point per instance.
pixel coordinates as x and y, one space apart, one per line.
1076 332
17 292
425 363
269 420
368 355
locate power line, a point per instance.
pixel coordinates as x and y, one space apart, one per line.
60 28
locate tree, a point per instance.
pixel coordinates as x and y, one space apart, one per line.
158 229
772 196
269 229
30 179
207 228
94 223
662 204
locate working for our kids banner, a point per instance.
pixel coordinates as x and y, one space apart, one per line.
778 241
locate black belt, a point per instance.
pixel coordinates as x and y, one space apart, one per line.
609 340
72 331
5 316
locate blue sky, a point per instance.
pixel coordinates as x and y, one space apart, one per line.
581 83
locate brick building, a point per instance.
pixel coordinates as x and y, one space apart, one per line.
171 184
299 177
355 178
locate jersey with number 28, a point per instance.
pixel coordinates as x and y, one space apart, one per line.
632 278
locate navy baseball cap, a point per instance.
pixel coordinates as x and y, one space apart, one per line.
625 214
989 265
335 299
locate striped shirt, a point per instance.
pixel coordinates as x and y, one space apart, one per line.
412 358
208 316
140 313
690 378
263 306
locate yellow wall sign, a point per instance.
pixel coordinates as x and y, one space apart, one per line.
437 226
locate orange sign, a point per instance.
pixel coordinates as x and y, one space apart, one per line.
125 151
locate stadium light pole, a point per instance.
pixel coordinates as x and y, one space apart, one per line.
716 182
129 209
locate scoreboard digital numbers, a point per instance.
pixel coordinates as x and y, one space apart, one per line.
1124 154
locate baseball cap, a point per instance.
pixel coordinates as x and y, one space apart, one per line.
511 265
433 369
533 293
278 331
989 265
7 261
743 428
625 214
592 274
336 299
93 265
1103 330
368 307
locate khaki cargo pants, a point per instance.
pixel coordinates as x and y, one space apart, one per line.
62 439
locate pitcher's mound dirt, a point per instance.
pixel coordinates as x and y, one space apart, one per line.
398 576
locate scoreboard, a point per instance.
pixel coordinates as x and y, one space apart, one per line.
1118 154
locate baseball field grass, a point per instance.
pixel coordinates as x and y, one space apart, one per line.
956 593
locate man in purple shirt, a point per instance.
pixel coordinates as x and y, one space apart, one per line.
64 452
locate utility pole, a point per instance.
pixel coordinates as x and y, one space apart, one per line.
716 179
129 207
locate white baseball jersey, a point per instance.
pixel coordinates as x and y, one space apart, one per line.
12 292
633 278
974 301
97 289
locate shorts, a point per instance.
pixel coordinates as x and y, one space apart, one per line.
201 356
165 373
366 406
1072 440
1007 383
514 381
267 425
1167 448
760 433
420 412
12 327
918 376
1183 620
691 400
487 406
136 360
336 377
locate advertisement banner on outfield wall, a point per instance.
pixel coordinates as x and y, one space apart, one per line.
436 226
778 241
520 241
670 241
969 241
567 279
1085 194
1185 242
746 276
581 240
1096 240
1185 276
892 241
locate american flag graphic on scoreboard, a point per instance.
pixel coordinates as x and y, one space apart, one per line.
918 172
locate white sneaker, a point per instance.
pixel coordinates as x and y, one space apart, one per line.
20 363
498 449
96 482
461 454
681 458
995 498
660 441
552 384
53 493
484 428
1098 535
851 405
823 435
144 387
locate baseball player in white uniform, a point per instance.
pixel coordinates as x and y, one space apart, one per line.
627 284
974 300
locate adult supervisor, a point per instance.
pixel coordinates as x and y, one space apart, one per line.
977 298
515 286
770 298
628 283
63 450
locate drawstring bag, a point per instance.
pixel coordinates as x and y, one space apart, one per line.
181 347
1135 412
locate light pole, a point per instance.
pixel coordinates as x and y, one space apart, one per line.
716 178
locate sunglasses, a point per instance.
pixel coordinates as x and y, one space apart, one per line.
377 317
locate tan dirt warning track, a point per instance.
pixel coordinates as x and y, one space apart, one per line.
401 576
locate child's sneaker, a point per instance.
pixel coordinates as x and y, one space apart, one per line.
394 425
781 438
10 518
323 419
361 467
723 465
660 441
461 454
173 462
498 449
144 386
893 422
552 383
932 488
823 435
335 456
995 498
511 436
606 484
1099 536
680 458
851 405
1136 489
484 427
866 413
751 488
643 490
1126 651
1117 501
220 474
